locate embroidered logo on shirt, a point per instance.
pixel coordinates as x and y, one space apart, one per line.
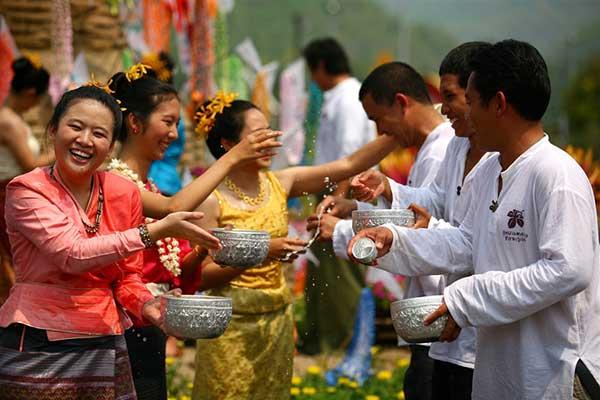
515 217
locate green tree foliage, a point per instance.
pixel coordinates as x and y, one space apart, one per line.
582 102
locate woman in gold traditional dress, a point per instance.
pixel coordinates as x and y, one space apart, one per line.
254 357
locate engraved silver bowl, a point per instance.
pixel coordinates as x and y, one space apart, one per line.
241 248
195 316
408 316
362 219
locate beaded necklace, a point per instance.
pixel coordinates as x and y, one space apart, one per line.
91 229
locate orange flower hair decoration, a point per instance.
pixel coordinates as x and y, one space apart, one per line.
153 61
104 86
206 115
33 58
137 71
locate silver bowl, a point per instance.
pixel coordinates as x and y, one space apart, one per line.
196 317
408 316
241 248
362 219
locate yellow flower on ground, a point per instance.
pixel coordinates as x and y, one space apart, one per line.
314 370
401 395
295 391
353 384
403 362
374 350
170 360
296 380
384 375
190 385
309 390
371 397
331 390
185 397
343 381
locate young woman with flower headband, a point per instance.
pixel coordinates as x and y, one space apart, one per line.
19 149
76 235
151 112
253 358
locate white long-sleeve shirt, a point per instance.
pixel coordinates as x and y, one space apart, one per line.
534 297
343 125
447 197
424 170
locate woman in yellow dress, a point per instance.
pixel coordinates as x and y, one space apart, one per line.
253 359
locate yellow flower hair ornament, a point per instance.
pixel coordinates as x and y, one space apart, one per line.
33 58
153 61
137 71
104 86
205 117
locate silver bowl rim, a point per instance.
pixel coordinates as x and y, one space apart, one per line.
234 232
416 302
196 298
396 212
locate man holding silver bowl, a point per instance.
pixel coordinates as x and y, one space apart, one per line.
530 237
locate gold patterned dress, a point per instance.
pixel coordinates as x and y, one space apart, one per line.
253 359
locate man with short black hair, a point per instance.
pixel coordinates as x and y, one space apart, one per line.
395 97
530 236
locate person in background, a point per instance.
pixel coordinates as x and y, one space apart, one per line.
333 286
19 149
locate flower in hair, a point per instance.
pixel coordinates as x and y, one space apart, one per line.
104 86
137 71
33 58
153 61
206 115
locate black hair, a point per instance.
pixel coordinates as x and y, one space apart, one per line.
516 69
330 53
385 81
27 75
72 97
458 61
140 97
228 125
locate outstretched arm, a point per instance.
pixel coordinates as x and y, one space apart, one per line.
300 180
256 145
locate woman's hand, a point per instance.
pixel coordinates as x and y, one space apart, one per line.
181 225
256 145
152 312
281 248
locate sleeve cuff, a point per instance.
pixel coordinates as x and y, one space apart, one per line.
342 234
452 300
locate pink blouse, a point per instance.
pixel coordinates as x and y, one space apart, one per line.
69 282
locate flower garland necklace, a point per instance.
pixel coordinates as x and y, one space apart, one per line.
168 249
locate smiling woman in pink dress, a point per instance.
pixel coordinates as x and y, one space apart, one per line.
76 236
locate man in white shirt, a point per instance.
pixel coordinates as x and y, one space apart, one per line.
447 198
530 236
333 285
395 97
